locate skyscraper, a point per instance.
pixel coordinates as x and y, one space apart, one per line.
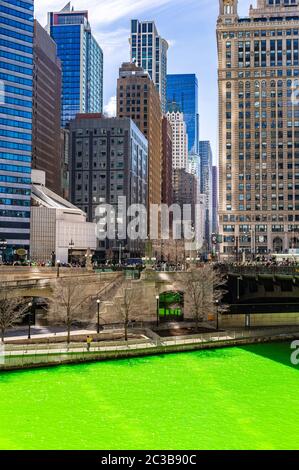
179 137
109 159
82 63
138 99
206 158
183 90
167 189
46 151
258 127
16 66
149 51
215 225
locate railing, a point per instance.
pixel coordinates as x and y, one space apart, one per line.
19 356
260 269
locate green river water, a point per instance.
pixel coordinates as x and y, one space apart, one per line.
236 398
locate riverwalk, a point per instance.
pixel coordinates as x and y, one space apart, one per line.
18 356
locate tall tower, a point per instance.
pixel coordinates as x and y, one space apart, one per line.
149 51
16 74
258 69
82 63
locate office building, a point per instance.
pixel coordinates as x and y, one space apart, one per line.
215 224
258 127
167 189
138 99
179 136
183 90
206 158
149 51
46 152
82 63
16 73
185 190
108 160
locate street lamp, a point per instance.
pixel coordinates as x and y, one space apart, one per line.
29 320
58 266
98 322
217 314
158 308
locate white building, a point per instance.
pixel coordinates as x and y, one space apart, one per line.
57 226
179 138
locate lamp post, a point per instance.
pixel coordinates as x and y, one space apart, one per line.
29 320
98 322
158 307
217 314
58 266
71 246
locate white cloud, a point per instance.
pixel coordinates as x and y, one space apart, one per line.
171 42
110 108
100 12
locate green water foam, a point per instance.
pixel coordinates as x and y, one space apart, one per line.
236 398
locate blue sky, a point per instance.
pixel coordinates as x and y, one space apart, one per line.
189 26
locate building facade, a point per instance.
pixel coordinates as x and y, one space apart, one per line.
82 63
108 160
215 207
16 73
46 152
149 51
138 99
206 158
167 188
258 127
179 137
183 90
185 190
57 227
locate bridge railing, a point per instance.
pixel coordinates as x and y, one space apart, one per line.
260 269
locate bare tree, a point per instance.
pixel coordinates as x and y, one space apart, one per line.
129 305
204 290
69 304
12 310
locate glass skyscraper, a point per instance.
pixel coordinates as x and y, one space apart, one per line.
206 182
16 73
183 90
82 63
149 51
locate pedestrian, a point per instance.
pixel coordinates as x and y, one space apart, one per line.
88 342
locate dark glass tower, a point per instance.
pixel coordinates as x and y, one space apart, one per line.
183 90
82 63
16 65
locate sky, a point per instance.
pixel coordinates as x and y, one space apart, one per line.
188 25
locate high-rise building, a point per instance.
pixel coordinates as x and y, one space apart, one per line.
215 224
206 158
108 160
167 190
183 90
46 152
185 190
179 136
82 63
138 99
16 73
149 51
258 122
